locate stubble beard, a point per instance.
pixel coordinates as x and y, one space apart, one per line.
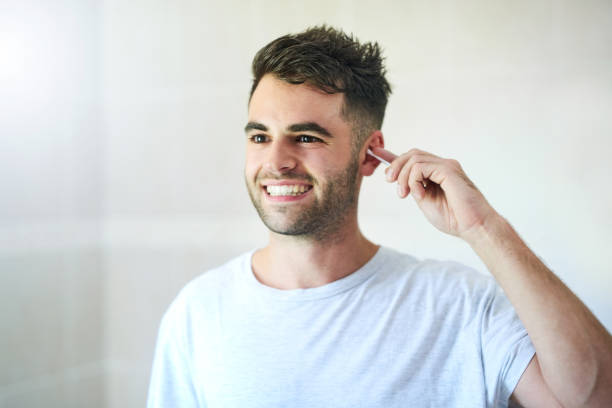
321 220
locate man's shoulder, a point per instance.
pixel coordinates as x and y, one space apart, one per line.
429 265
441 288
218 277
211 284
438 274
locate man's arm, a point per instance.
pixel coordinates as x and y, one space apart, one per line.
573 362
573 350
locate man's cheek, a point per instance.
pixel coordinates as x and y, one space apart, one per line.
250 171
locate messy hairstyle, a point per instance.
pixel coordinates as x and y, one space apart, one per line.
334 62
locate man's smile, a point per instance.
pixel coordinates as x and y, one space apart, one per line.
286 190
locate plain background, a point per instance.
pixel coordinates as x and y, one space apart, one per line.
121 158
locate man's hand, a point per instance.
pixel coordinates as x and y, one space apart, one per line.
447 197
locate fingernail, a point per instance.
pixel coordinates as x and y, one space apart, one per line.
388 173
400 190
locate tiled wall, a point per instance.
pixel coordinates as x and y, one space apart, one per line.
52 268
52 319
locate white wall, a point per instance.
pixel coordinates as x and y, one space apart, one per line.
52 350
149 153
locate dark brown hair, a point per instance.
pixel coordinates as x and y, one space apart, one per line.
334 62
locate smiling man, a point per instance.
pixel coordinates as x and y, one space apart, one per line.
322 317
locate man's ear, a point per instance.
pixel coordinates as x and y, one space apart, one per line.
369 163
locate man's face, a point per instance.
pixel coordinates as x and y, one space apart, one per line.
300 171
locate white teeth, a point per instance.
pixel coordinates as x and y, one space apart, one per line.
287 190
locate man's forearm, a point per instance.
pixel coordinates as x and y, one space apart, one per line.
574 350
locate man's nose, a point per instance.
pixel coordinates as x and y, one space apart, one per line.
280 160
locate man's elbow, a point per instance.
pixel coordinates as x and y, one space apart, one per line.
600 394
592 391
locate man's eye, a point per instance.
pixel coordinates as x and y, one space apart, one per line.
258 138
307 139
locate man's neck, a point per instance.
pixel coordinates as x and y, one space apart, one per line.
297 263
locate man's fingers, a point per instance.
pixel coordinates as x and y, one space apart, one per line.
396 167
417 180
403 188
408 171
415 171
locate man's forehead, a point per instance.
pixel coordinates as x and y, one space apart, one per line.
271 89
278 102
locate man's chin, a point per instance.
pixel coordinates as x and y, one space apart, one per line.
284 228
287 224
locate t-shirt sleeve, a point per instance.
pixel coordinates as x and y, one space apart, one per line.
506 347
171 378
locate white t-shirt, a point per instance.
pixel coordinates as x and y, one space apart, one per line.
396 333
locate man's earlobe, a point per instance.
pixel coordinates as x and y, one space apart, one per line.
369 165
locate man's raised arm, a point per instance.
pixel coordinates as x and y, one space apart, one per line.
573 362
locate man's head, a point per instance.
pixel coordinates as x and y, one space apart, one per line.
333 62
316 98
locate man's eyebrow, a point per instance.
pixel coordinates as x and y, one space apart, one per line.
298 127
309 127
255 126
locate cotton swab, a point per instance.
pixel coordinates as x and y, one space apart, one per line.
378 158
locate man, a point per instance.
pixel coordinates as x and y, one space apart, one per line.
322 317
